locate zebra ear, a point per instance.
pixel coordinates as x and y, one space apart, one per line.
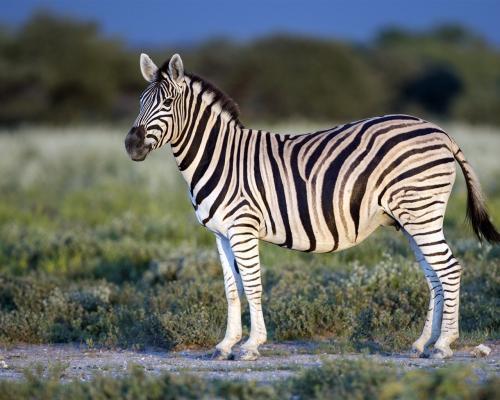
148 68
176 68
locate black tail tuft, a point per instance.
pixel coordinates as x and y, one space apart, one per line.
479 219
476 208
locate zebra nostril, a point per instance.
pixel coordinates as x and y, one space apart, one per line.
140 131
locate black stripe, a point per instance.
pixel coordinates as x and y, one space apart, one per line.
243 241
424 233
444 261
302 201
236 190
437 175
260 183
424 206
439 253
235 208
246 174
194 147
280 192
424 222
447 267
207 155
217 175
185 135
225 187
457 271
245 250
251 216
432 243
244 225
411 201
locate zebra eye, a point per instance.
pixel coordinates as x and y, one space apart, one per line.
168 102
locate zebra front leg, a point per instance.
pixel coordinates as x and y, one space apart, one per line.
432 327
245 247
233 289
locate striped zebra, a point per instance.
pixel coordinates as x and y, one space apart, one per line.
317 192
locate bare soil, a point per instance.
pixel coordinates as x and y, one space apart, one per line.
278 361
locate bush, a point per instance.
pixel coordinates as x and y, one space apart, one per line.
381 307
95 248
340 379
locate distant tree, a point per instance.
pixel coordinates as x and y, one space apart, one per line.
59 70
452 34
293 77
55 69
448 71
434 90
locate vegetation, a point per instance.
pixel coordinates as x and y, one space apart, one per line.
96 249
337 380
446 73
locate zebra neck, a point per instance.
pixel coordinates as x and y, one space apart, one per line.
201 150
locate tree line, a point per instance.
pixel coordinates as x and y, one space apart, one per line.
56 70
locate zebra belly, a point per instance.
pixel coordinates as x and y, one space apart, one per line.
323 241
303 244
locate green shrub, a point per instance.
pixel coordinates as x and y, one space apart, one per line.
96 248
182 304
338 380
342 380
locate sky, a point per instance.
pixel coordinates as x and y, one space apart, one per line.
159 23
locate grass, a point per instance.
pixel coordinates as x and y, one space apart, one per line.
100 250
339 380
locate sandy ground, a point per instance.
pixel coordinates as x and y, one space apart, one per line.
278 361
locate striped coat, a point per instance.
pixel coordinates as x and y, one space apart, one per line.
318 192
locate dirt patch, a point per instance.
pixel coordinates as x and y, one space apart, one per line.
278 361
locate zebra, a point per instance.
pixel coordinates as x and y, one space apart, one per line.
321 192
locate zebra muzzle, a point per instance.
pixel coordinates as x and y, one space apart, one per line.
135 144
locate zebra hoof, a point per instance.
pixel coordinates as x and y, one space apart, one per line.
415 353
425 354
441 354
219 355
248 355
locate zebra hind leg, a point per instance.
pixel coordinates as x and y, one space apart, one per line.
432 327
428 236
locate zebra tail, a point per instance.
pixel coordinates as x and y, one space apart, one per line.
477 213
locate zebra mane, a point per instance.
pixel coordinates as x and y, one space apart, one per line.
227 103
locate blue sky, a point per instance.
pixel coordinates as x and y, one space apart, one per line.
187 21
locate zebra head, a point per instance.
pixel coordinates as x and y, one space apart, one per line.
159 107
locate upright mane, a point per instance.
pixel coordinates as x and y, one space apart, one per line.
227 103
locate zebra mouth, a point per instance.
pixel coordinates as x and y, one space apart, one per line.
141 155
140 158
